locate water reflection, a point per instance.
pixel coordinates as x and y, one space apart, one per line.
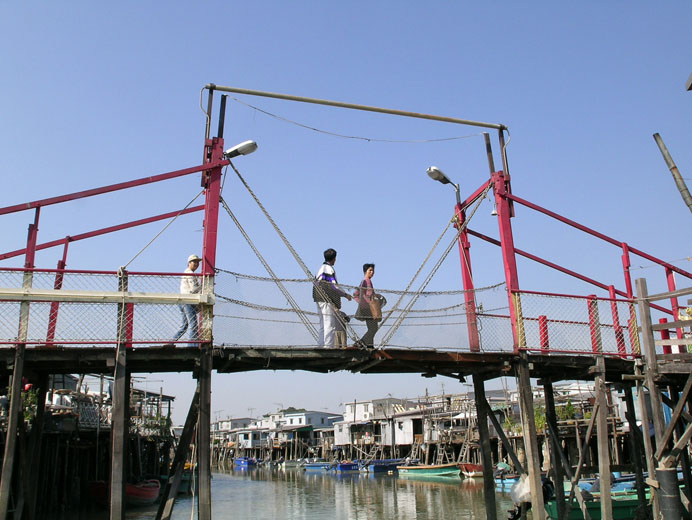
271 493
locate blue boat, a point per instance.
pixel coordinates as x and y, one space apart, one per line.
505 484
244 462
380 465
318 466
347 465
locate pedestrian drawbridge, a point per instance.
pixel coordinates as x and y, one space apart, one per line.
62 320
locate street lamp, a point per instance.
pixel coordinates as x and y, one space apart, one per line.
469 297
244 148
438 175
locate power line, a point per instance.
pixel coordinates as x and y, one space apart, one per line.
344 136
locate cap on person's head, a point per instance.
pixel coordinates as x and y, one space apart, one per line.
193 258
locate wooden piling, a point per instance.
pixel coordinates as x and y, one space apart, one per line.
602 439
530 441
557 470
203 433
486 451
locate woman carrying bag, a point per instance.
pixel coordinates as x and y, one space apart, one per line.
369 306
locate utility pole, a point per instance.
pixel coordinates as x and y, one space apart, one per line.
679 182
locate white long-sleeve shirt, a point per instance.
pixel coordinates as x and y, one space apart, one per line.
189 284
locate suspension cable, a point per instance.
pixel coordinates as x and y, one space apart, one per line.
282 288
297 257
432 273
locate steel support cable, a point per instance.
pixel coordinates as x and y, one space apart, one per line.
282 288
406 310
406 291
432 273
164 229
295 254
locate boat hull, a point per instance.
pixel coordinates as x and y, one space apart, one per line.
432 470
623 509
244 462
143 493
318 466
469 470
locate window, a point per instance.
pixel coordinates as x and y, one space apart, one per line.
322 420
291 421
309 420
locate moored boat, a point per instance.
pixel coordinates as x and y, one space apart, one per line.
624 508
347 465
318 466
380 465
143 493
470 470
244 462
431 470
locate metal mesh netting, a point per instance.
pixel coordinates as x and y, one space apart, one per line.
255 311
578 324
74 322
252 311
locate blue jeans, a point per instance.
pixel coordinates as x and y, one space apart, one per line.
189 316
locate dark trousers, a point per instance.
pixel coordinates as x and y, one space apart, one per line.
369 337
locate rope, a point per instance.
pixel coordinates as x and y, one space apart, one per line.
288 245
293 322
432 273
396 305
282 288
260 307
385 291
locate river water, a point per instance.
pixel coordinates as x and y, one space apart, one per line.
272 494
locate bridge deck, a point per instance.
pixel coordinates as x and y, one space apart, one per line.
428 363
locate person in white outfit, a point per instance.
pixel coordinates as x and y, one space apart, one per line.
189 285
328 299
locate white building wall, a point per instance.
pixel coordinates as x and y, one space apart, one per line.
342 433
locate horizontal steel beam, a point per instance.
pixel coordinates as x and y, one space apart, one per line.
50 295
354 106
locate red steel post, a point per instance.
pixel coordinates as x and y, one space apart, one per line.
617 328
31 242
211 181
675 307
54 306
594 324
543 334
665 334
504 213
626 264
467 278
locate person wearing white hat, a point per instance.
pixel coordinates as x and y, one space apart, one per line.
189 285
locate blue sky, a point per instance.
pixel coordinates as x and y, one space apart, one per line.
98 94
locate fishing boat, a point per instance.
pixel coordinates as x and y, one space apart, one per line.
244 462
317 466
290 464
380 465
430 470
143 493
504 483
470 470
347 465
624 508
